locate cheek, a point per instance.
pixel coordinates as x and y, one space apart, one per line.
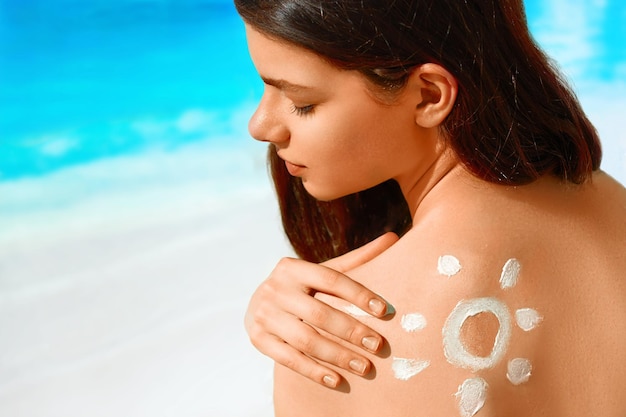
359 130
353 156
339 160
378 137
346 145
354 148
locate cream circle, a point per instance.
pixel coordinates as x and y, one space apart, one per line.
413 322
404 369
519 371
527 318
510 273
448 265
472 395
453 348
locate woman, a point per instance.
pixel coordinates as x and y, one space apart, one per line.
440 121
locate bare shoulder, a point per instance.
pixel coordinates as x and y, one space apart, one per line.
509 301
515 297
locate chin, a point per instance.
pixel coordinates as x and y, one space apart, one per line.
325 194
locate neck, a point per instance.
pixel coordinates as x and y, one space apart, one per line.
419 191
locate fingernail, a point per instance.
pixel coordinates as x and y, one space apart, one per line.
376 306
358 365
330 381
371 343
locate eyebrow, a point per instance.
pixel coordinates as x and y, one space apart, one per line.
285 85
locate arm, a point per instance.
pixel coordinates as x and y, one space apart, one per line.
283 315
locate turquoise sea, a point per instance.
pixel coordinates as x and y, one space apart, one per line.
84 80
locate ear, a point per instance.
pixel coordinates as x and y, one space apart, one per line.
435 89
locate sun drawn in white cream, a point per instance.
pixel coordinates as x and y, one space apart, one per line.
472 393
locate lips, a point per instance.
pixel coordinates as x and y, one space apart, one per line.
294 169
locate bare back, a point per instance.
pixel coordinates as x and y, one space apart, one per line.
510 301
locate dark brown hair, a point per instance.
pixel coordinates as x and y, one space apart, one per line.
514 119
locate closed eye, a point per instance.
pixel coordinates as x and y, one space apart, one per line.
302 110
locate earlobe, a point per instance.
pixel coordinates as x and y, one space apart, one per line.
437 89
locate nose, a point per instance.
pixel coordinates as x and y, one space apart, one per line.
265 124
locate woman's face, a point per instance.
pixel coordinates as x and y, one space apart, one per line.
328 127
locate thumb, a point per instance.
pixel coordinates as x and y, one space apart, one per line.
362 255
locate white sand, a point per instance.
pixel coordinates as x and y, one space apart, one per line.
131 303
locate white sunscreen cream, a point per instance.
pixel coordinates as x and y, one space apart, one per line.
527 318
453 347
448 265
472 395
404 369
519 370
510 272
354 311
413 322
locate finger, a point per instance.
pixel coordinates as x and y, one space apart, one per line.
330 320
303 338
320 278
290 318
363 254
366 300
291 358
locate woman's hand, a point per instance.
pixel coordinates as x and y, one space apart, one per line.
283 314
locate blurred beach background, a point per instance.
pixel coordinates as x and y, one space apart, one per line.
136 215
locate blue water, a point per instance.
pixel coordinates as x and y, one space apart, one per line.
76 76
88 70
